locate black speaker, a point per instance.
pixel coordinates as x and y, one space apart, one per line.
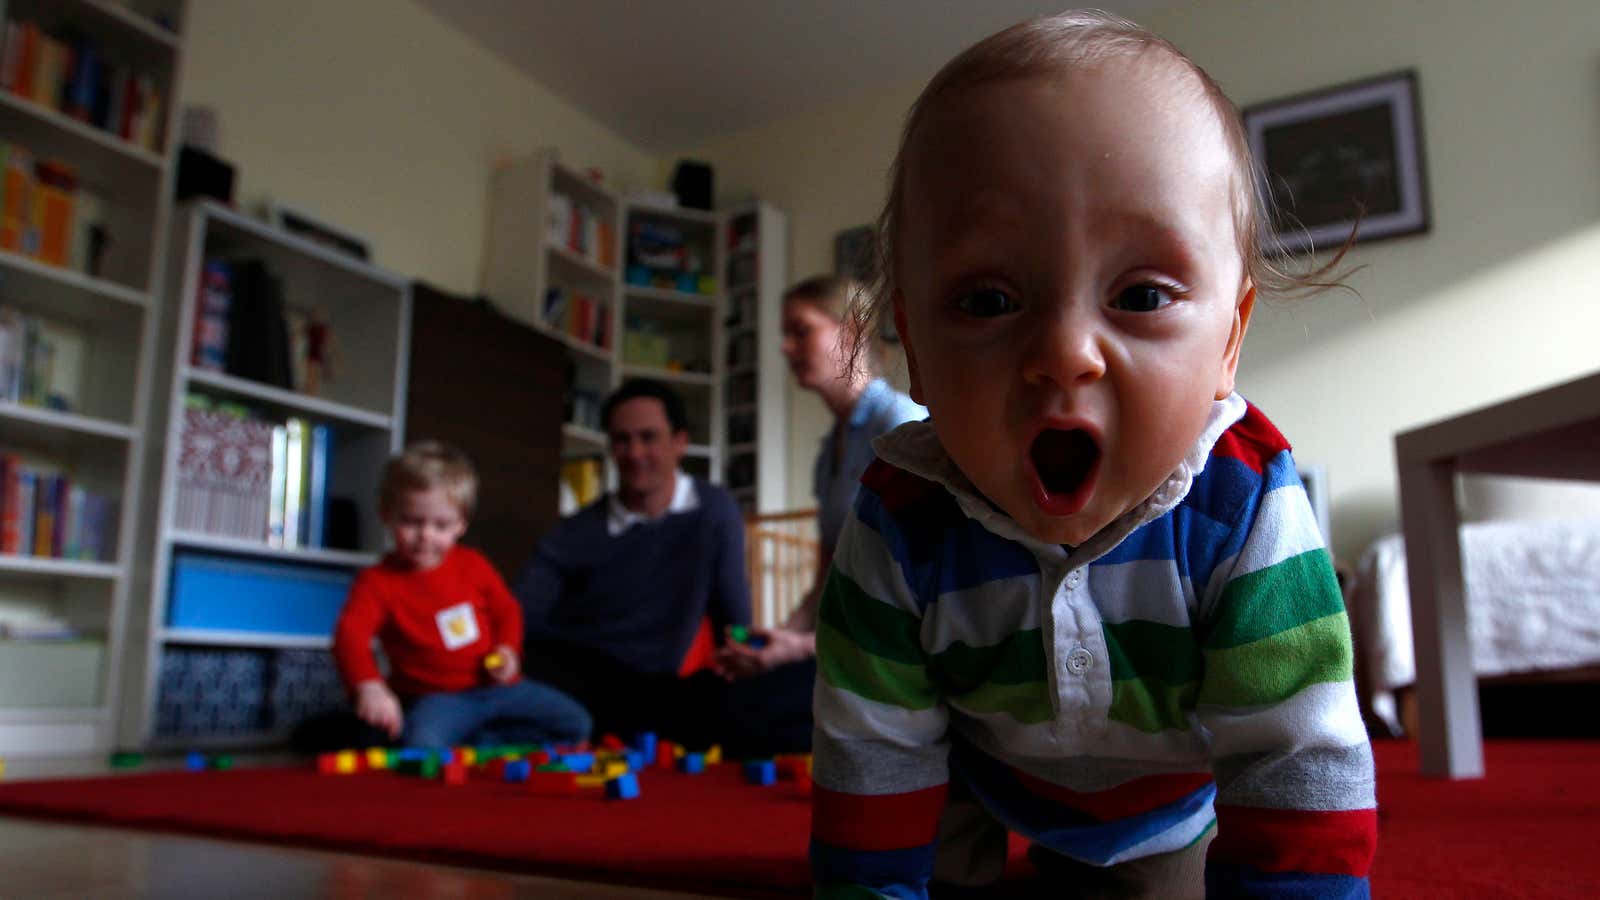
202 175
691 181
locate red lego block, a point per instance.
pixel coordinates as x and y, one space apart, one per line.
791 767
454 772
665 758
327 763
539 758
612 742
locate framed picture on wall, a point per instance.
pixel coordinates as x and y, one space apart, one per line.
1345 157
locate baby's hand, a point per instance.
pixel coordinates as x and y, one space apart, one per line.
379 707
502 664
762 651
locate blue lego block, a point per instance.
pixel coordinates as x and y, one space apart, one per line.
195 761
446 757
761 772
645 743
517 770
692 763
413 753
623 787
578 762
636 760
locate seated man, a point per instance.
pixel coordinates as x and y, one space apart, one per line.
620 593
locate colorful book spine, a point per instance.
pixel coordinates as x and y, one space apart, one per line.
321 453
10 503
294 480
27 489
280 469
210 350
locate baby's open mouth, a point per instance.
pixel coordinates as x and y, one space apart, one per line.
1065 462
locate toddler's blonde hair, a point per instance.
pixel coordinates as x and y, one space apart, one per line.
423 466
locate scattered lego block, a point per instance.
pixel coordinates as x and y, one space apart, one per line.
579 762
222 762
612 742
348 762
413 753
623 787
589 781
614 768
377 759
802 784
664 755
468 755
692 763
517 771
714 755
195 761
645 744
2 769
123 759
539 757
327 763
553 767
455 772
761 772
635 760
743 635
792 766
553 783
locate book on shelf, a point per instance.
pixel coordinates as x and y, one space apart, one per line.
41 360
578 229
38 630
210 351
45 513
583 477
244 327
241 475
65 71
580 315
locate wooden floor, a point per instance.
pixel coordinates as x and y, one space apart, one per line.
48 860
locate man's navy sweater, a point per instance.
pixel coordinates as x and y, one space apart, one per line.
639 596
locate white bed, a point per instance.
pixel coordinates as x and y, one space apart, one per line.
1533 589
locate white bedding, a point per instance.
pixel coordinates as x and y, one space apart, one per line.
1533 602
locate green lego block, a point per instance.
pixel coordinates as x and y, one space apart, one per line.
222 762
126 760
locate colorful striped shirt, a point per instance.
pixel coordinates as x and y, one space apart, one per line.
1190 665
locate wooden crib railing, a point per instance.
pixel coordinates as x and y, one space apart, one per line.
781 560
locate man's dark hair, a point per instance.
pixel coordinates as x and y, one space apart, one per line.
635 388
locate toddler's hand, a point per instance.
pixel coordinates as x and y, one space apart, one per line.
502 664
379 707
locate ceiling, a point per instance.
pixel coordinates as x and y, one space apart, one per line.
666 74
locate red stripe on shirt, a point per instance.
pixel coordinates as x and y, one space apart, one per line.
896 488
1253 440
878 822
1123 801
1292 840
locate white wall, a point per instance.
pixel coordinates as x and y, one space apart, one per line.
379 118
1499 298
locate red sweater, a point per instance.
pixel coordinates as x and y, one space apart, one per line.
435 626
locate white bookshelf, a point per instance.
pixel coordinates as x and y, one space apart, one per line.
68 707
755 386
521 265
368 311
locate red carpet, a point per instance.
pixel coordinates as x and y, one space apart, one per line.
1528 830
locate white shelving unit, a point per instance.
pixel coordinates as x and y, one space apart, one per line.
525 261
60 698
686 317
755 376
368 311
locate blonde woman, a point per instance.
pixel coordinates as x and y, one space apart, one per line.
774 674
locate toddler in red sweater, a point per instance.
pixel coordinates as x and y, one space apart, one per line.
451 630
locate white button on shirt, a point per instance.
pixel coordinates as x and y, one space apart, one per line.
1075 578
1079 660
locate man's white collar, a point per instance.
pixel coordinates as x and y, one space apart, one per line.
619 518
915 448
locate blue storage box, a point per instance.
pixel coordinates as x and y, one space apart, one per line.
227 593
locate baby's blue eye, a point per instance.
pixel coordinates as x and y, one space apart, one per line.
1142 298
986 304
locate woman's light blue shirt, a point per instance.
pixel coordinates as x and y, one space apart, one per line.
880 408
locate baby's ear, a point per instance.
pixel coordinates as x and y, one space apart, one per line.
898 301
1241 324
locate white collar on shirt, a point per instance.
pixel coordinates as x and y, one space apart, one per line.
619 518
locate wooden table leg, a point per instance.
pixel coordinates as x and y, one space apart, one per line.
1447 689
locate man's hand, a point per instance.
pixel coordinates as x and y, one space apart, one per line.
502 665
379 707
736 661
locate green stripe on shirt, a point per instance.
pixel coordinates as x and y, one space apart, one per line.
1028 703
1152 706
1019 659
1143 649
1278 667
848 666
1280 597
874 625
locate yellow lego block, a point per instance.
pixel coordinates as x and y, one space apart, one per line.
590 781
714 755
347 762
468 755
614 768
377 758
678 751
2 768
